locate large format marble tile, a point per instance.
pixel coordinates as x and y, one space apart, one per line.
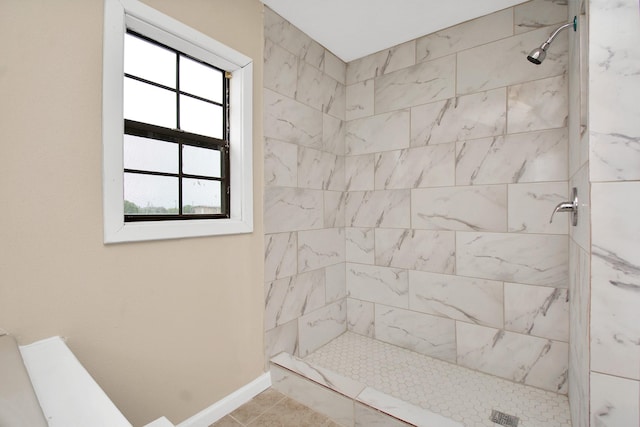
280 69
614 401
537 310
280 255
521 358
615 279
527 157
321 326
431 166
291 121
335 98
335 282
312 86
334 67
283 33
424 250
465 117
360 100
613 90
334 204
539 13
316 396
469 34
383 132
281 338
333 133
538 105
431 335
291 209
448 208
614 156
504 62
320 170
521 258
380 63
280 163
360 245
424 82
366 416
386 208
579 285
382 285
360 317
460 298
289 298
320 248
531 205
359 172
320 375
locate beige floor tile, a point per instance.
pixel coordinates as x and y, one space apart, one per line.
257 406
289 413
227 421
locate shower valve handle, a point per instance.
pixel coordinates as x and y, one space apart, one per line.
568 207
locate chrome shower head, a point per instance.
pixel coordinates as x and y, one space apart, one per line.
538 54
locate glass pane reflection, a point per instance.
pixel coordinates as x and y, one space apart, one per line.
149 104
200 117
201 197
150 154
201 80
150 195
200 161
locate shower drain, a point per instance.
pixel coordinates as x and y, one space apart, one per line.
504 419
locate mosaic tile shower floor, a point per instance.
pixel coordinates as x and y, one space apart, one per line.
452 391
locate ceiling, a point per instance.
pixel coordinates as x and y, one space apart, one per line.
352 29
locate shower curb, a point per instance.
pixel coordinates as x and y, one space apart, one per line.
346 401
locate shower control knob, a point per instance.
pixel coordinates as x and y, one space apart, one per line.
568 207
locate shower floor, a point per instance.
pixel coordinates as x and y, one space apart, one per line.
454 392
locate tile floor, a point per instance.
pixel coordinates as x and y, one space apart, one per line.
273 409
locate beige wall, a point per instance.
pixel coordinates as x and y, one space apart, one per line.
166 328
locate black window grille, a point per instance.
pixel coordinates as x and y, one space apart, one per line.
182 138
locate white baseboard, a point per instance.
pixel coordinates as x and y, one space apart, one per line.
228 404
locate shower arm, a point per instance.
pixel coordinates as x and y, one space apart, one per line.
553 35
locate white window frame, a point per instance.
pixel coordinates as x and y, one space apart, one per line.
120 15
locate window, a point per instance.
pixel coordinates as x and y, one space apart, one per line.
176 129
175 135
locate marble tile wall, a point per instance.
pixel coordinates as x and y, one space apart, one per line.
613 135
456 153
426 173
304 195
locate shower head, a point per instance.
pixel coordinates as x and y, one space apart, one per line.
538 54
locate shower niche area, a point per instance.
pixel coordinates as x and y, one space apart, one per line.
412 275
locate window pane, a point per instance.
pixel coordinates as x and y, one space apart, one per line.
150 154
149 104
150 195
201 197
200 117
200 161
201 80
149 61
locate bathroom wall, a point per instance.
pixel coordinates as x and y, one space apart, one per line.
165 327
304 112
456 152
614 173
